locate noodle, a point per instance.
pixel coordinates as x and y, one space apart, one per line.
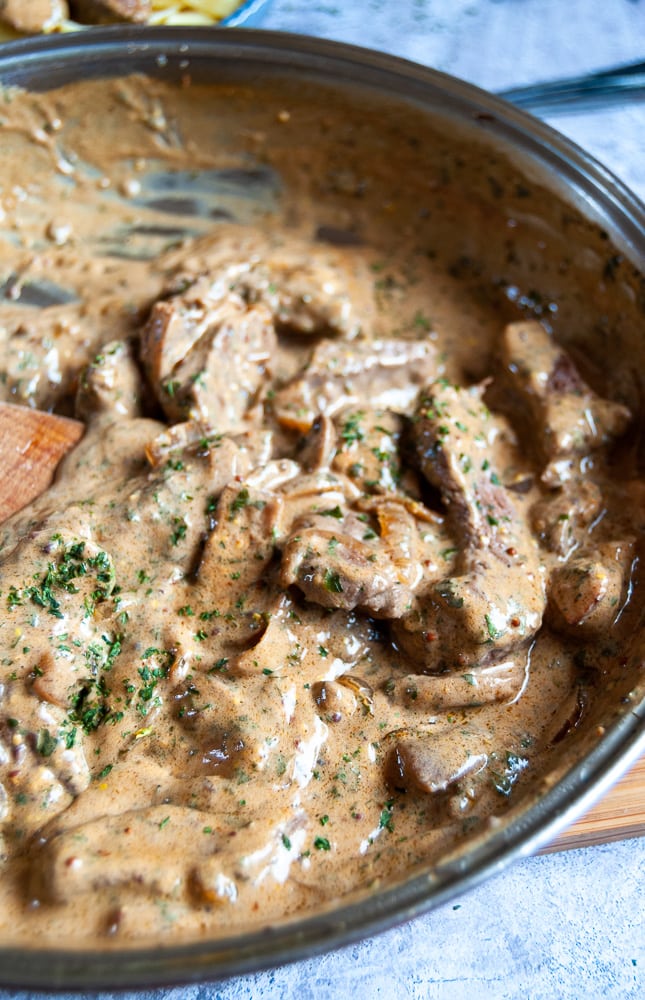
191 11
168 12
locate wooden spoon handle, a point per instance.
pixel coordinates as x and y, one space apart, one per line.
32 444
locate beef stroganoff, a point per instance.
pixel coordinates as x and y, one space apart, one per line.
349 543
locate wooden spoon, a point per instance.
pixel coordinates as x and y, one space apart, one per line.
32 444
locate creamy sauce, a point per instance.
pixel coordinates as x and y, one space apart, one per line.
350 545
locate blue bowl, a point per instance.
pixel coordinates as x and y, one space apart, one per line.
249 13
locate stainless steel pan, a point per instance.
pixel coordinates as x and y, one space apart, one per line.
584 207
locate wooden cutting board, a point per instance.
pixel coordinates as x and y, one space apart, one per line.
620 814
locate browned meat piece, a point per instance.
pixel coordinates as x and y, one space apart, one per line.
178 322
368 449
569 418
380 374
433 763
335 565
312 290
195 437
105 852
111 385
562 518
205 359
586 595
103 856
32 16
503 681
110 11
495 598
241 545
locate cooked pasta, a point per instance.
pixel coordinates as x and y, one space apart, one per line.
165 12
191 11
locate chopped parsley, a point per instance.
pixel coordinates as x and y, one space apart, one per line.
180 527
493 632
351 431
332 582
385 819
333 512
238 503
46 743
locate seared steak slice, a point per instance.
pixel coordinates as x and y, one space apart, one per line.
433 764
380 374
587 594
206 359
368 449
344 565
319 290
562 518
502 681
494 600
570 420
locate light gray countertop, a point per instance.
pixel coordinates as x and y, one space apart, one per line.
565 926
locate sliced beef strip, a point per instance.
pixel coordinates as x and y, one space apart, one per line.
380 374
562 518
502 681
241 545
369 556
111 11
569 419
431 764
207 360
494 600
587 594
110 387
317 290
32 16
336 566
368 449
222 869
178 321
